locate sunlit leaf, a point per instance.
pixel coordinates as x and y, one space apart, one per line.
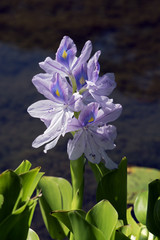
29 181
55 195
63 216
23 167
104 217
135 227
32 235
140 207
82 229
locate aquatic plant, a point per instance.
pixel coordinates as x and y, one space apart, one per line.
77 102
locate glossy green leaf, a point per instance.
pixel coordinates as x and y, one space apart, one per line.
134 226
82 229
154 193
138 179
126 230
56 194
32 235
23 167
104 217
66 192
140 207
63 216
29 181
143 234
10 187
113 187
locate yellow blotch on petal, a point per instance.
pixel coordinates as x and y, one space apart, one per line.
82 81
57 93
64 55
91 120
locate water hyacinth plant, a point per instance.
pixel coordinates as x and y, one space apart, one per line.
77 102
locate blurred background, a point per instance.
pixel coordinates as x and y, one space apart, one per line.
127 33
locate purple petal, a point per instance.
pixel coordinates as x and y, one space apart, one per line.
80 74
52 66
106 84
105 136
91 149
44 109
85 54
75 147
108 114
93 67
66 52
52 144
75 103
88 114
108 162
73 125
59 88
43 83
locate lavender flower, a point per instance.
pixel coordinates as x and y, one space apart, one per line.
57 110
72 87
93 137
90 84
66 59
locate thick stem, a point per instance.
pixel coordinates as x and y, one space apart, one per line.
77 172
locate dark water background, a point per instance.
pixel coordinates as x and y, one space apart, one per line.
127 33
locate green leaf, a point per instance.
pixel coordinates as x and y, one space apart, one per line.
23 167
1 200
104 217
135 227
138 179
56 195
113 187
16 225
63 216
99 170
154 194
32 235
66 192
29 181
83 229
120 236
143 234
140 207
156 212
10 188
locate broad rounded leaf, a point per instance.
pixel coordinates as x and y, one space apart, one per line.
104 217
32 235
140 207
82 229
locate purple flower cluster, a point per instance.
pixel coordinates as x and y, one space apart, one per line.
77 101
